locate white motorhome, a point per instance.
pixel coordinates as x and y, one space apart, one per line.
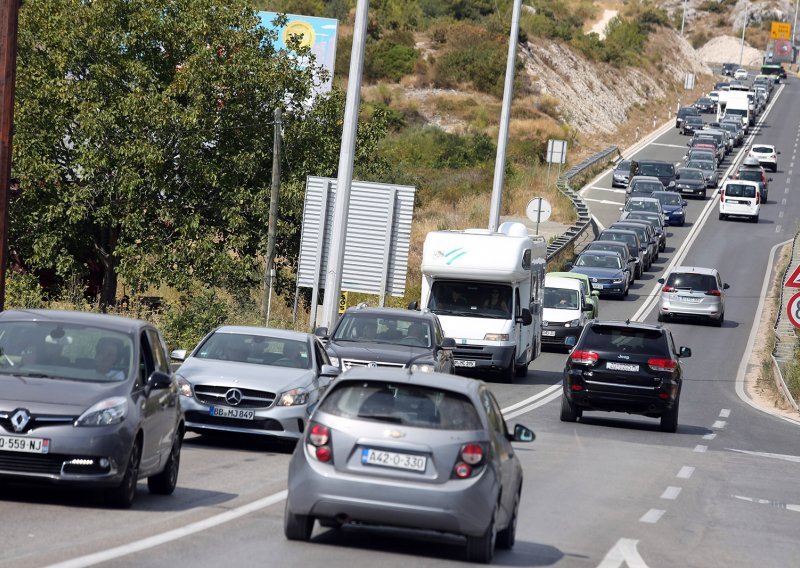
487 290
736 103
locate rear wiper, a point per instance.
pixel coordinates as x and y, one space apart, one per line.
382 418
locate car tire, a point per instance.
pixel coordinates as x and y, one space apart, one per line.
754 219
480 549
661 317
720 321
669 420
507 374
507 536
569 411
297 527
164 483
521 371
122 495
703 195
722 216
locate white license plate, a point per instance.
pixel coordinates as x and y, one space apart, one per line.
226 412
27 445
393 459
548 333
689 300
597 286
463 363
632 367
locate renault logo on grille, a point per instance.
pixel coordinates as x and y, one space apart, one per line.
20 419
233 397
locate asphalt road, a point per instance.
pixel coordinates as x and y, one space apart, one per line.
610 490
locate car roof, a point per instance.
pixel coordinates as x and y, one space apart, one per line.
263 332
602 242
575 275
643 199
742 181
654 179
554 280
762 144
628 324
601 252
108 321
693 270
392 312
688 169
456 383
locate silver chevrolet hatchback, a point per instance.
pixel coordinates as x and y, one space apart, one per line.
693 292
420 451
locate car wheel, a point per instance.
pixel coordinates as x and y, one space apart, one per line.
123 495
703 195
507 536
754 218
164 483
521 371
662 317
480 549
297 527
669 420
721 216
569 412
720 321
507 374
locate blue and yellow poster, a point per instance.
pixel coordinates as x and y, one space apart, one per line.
317 33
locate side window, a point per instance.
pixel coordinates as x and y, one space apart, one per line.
496 422
517 305
437 329
146 364
322 355
158 349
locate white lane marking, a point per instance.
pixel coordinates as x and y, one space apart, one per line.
784 457
624 552
652 516
685 472
791 164
615 190
780 214
600 226
789 173
535 405
783 202
719 424
531 399
775 504
778 228
786 190
725 412
174 534
671 492
668 145
740 374
710 436
603 201
700 449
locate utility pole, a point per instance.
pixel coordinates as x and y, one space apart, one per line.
744 28
683 19
272 228
794 25
8 67
505 116
333 279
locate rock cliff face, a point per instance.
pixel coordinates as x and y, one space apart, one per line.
596 97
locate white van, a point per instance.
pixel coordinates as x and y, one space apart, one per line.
740 198
566 311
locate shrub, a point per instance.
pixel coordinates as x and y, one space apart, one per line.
186 323
387 60
482 65
699 39
23 291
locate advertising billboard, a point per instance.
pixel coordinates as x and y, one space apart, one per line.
317 33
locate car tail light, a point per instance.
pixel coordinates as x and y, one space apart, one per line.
319 445
758 197
662 364
713 293
667 289
721 196
584 357
470 458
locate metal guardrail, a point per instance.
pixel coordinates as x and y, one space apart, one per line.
576 230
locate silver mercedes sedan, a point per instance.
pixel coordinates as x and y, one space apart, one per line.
421 451
253 380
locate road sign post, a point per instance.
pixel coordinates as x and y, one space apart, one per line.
538 210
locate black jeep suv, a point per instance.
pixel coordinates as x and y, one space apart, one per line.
624 367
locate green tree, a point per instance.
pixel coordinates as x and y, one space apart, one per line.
143 139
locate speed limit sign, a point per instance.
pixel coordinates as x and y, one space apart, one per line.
793 310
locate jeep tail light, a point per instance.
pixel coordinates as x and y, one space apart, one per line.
662 364
584 357
470 458
667 289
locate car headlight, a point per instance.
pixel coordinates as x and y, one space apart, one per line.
423 367
184 386
294 397
573 323
545 323
617 281
105 413
495 337
334 361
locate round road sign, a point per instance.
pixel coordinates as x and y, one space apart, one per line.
793 310
538 210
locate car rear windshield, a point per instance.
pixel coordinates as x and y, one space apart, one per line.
640 205
631 340
739 190
402 404
690 174
624 166
762 149
750 175
701 165
598 261
620 248
627 238
669 198
692 281
646 187
657 170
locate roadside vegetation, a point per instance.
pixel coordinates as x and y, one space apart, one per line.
145 173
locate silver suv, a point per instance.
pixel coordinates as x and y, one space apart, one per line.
693 292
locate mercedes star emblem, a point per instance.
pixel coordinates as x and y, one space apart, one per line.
233 397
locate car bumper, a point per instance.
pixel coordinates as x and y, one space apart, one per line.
619 398
619 182
482 357
459 506
276 421
93 456
676 308
691 190
609 288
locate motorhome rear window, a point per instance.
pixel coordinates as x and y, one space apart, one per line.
739 190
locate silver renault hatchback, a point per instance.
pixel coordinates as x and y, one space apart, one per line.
421 451
693 292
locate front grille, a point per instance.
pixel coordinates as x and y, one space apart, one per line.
552 340
460 353
197 417
251 398
42 464
348 363
36 421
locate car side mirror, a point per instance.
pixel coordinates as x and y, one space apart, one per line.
684 352
684 203
587 308
413 305
660 280
725 286
448 343
178 355
769 179
522 434
331 371
159 380
526 318
321 332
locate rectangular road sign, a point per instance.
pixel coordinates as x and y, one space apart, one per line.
780 30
